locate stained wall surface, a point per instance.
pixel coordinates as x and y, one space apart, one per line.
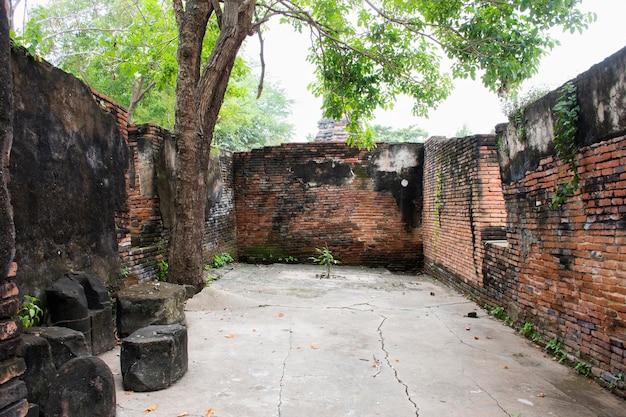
365 206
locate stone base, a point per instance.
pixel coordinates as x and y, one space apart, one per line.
154 357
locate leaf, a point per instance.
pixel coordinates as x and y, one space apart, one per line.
230 336
314 347
151 408
209 412
281 314
183 414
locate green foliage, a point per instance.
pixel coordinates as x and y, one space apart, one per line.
583 368
164 267
500 313
366 53
565 114
126 49
554 346
30 314
125 272
222 260
288 259
325 258
388 134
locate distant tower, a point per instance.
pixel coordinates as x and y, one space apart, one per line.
331 131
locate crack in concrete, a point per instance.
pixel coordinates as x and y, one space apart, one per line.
354 307
395 371
488 393
282 376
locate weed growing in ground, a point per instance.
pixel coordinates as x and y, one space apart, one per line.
325 258
163 269
222 260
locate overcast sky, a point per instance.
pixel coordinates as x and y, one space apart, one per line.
470 103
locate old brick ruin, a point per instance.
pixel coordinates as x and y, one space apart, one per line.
92 193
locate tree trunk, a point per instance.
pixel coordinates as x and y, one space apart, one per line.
7 229
198 101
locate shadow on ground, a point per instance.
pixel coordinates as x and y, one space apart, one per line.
279 341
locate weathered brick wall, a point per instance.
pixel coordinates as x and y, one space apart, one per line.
463 207
571 260
365 206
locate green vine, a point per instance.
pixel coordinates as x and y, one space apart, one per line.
565 113
437 201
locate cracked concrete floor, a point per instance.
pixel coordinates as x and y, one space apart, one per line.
278 341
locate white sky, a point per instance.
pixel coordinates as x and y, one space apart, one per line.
470 103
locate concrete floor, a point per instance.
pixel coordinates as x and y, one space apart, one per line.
279 341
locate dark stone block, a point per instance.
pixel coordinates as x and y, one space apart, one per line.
40 367
95 290
65 344
66 301
12 392
18 409
9 348
102 330
82 387
153 358
33 410
150 303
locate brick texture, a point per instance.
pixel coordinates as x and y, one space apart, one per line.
294 198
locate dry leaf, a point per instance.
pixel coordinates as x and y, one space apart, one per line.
183 414
128 392
151 408
281 314
506 366
397 360
374 366
230 336
475 337
209 412
541 394
467 328
314 347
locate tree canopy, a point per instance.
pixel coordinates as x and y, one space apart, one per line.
126 49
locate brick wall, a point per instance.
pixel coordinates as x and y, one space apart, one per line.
294 198
463 207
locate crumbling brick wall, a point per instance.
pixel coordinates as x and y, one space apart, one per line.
463 207
366 206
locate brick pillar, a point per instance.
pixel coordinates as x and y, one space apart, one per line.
12 390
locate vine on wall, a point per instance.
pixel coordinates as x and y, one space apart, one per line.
565 113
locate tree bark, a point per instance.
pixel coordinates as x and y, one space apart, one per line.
7 229
198 101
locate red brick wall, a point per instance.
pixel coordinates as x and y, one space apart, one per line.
572 260
294 198
463 207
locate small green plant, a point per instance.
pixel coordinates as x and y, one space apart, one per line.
565 113
583 368
210 279
163 269
325 258
30 314
125 272
288 259
554 346
222 260
529 332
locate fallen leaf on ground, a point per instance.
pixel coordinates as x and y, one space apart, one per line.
281 314
541 394
467 328
230 336
475 337
506 366
374 366
314 347
397 360
209 412
183 414
151 408
128 392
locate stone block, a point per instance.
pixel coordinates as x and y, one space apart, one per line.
40 369
66 301
95 291
150 303
11 368
102 330
83 386
65 343
12 392
18 409
154 357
